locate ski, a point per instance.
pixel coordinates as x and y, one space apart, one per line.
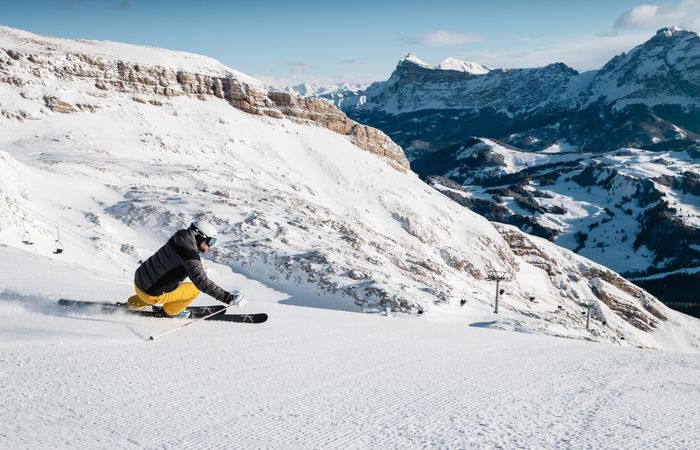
195 311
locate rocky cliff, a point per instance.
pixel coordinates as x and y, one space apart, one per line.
646 96
635 211
26 61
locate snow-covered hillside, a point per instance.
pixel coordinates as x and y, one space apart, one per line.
306 202
635 211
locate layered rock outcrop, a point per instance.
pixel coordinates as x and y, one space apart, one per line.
157 83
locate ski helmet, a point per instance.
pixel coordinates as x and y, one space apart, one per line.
204 231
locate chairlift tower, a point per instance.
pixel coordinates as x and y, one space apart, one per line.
59 246
497 276
588 305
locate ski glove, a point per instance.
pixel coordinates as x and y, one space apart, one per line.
236 298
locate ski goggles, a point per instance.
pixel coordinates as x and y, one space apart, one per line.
211 241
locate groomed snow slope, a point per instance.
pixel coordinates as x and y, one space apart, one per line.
317 378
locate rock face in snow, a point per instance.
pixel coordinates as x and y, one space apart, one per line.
415 86
599 281
646 96
117 155
155 84
664 70
635 211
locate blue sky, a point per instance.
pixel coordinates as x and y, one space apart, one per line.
286 42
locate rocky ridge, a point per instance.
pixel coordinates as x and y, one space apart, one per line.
635 211
155 84
646 96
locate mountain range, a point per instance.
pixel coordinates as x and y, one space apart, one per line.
604 162
633 210
643 97
110 148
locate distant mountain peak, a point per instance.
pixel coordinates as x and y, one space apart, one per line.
448 64
463 66
670 35
670 31
413 59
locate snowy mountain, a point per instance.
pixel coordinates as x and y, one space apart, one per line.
463 66
110 148
324 90
334 93
646 96
663 71
635 211
417 86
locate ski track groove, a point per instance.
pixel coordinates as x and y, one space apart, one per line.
454 398
115 419
440 397
626 384
271 431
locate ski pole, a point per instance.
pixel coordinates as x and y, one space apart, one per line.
221 311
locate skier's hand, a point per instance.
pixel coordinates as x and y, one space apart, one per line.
236 298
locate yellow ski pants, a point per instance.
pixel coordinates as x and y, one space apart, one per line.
173 302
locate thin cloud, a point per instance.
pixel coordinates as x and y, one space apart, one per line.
122 6
648 16
442 37
295 67
353 61
73 5
279 80
585 53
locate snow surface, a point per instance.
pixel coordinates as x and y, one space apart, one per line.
316 378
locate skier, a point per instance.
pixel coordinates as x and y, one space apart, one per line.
159 280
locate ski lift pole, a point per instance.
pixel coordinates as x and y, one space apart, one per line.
495 311
221 311
497 276
588 315
59 248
